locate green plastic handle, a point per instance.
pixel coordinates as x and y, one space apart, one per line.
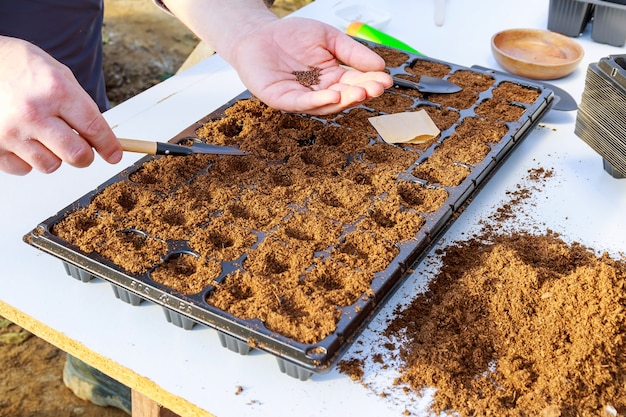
366 32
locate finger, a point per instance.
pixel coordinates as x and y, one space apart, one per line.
357 55
338 90
34 155
372 89
65 143
321 102
73 150
12 164
377 80
335 99
83 115
305 101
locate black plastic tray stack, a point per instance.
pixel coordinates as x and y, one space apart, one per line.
602 112
296 359
607 17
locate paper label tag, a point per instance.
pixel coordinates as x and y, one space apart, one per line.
406 127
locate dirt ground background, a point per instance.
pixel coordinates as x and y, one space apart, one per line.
142 46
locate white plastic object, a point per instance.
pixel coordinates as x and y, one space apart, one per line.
440 12
346 13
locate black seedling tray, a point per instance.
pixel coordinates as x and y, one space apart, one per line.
297 359
602 110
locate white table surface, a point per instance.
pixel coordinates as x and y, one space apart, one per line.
581 202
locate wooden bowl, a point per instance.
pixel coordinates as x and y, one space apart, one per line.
535 53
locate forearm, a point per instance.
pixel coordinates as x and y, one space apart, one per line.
221 23
267 51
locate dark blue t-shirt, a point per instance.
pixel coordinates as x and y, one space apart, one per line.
69 30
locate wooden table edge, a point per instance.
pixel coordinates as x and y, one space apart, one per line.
143 389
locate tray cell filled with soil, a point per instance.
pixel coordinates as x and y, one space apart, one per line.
292 248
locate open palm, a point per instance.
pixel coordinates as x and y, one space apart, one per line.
349 72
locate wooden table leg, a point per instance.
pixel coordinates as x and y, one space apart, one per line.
143 406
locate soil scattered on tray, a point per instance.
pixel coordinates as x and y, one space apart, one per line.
393 58
297 231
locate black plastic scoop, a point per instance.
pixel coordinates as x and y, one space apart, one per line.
166 148
428 84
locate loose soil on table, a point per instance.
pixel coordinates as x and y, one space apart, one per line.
515 324
143 46
519 325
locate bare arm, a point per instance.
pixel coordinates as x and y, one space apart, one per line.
266 51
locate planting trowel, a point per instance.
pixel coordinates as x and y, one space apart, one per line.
165 148
428 84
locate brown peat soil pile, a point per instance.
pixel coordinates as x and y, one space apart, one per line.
514 324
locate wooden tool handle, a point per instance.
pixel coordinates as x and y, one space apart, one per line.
139 146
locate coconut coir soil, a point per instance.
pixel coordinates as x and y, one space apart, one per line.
515 324
297 230
519 325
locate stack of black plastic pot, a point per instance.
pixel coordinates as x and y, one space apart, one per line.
570 17
602 112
